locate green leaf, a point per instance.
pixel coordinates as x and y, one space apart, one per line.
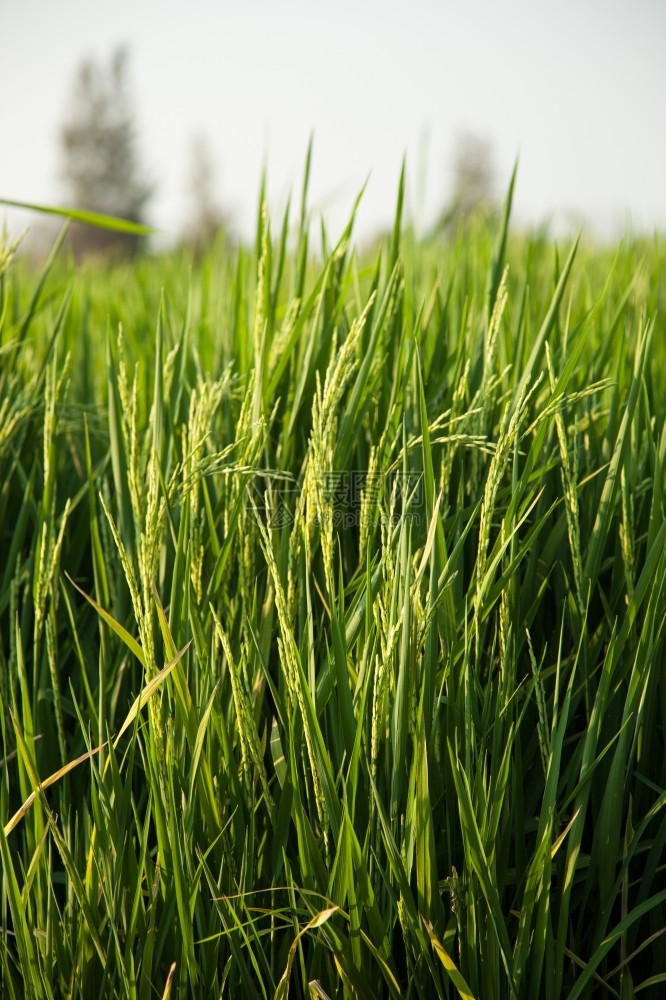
96 219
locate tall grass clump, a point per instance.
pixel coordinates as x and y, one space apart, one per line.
332 604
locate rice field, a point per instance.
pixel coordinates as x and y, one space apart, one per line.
332 604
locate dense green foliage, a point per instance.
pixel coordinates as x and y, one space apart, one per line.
381 545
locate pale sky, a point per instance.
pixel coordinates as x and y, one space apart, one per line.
576 90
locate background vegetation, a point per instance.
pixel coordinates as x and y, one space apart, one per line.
332 621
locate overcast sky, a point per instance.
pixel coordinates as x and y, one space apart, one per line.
575 89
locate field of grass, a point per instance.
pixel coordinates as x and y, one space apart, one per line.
332 603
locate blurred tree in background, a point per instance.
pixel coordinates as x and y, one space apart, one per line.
206 219
473 187
101 167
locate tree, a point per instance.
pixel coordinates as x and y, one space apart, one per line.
101 166
473 181
206 218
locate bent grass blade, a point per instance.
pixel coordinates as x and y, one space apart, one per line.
139 702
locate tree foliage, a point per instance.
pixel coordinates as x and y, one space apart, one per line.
206 219
101 166
473 182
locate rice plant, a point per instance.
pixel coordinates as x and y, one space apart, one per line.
332 604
